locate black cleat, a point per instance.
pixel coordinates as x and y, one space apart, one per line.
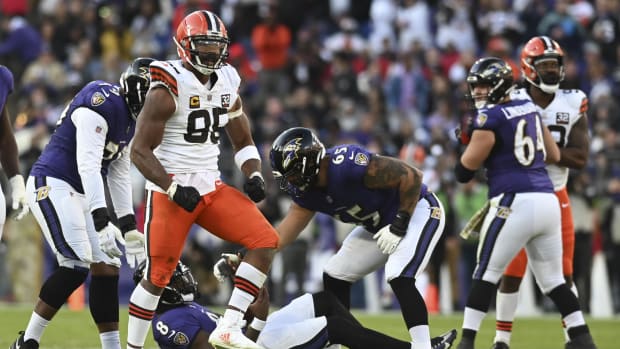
583 341
20 344
500 345
444 340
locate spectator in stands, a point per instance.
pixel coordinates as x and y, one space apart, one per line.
271 41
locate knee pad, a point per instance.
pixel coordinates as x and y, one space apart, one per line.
103 298
59 286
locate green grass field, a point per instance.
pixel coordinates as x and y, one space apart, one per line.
75 329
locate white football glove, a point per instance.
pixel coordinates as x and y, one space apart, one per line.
386 240
18 195
226 266
134 248
107 240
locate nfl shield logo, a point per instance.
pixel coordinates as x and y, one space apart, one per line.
226 101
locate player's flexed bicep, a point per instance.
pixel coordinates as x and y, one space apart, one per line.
387 172
158 108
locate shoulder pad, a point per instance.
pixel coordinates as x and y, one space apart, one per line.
163 73
575 99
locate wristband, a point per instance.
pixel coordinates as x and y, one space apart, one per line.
258 324
246 153
400 223
462 173
100 218
127 223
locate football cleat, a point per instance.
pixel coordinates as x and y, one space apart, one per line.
583 341
444 340
500 345
21 344
228 335
466 343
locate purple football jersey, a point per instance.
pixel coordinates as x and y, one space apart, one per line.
6 85
516 163
177 328
346 197
58 159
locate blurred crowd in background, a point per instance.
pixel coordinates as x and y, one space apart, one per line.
388 74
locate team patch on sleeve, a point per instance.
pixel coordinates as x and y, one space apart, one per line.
159 75
481 119
97 99
361 159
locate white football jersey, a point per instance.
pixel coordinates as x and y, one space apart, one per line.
190 143
560 115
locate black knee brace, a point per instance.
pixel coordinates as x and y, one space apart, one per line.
103 298
59 286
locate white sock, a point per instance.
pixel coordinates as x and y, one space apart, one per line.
420 337
505 314
248 281
110 340
472 319
35 327
142 305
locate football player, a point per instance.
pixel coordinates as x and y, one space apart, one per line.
177 149
564 113
383 196
310 321
65 191
8 153
509 139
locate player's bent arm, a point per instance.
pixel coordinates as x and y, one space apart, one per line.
551 148
388 172
293 224
575 153
90 133
201 341
240 134
478 149
8 146
158 108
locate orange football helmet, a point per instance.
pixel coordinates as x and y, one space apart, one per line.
202 41
543 49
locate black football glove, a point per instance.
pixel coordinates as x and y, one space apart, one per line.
255 187
186 197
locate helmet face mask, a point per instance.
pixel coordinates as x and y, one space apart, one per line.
135 82
295 159
489 80
202 41
542 63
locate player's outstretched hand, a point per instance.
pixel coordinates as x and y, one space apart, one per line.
134 248
107 240
18 196
226 266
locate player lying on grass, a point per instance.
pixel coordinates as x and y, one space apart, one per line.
309 321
